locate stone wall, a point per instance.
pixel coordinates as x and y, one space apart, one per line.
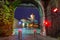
54 29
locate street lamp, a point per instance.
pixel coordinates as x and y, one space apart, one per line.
54 10
47 23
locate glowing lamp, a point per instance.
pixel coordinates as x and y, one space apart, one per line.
55 10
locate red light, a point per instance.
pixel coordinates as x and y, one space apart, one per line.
55 9
20 30
47 23
34 30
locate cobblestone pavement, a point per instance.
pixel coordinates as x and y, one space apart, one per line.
27 37
27 34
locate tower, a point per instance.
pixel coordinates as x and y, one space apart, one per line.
32 16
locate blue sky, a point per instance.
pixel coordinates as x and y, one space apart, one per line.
25 12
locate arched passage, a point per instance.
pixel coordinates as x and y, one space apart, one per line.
41 13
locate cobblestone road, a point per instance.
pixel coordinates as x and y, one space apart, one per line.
27 37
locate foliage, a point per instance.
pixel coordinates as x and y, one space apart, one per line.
16 3
7 14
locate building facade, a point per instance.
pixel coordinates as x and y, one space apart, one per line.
54 18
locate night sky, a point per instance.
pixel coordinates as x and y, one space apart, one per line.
25 12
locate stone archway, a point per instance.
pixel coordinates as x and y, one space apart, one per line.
8 17
42 15
43 30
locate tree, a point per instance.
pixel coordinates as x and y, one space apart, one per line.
6 20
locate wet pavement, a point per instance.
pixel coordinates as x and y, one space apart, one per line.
27 37
27 34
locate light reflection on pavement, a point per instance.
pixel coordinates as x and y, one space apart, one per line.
27 34
25 31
